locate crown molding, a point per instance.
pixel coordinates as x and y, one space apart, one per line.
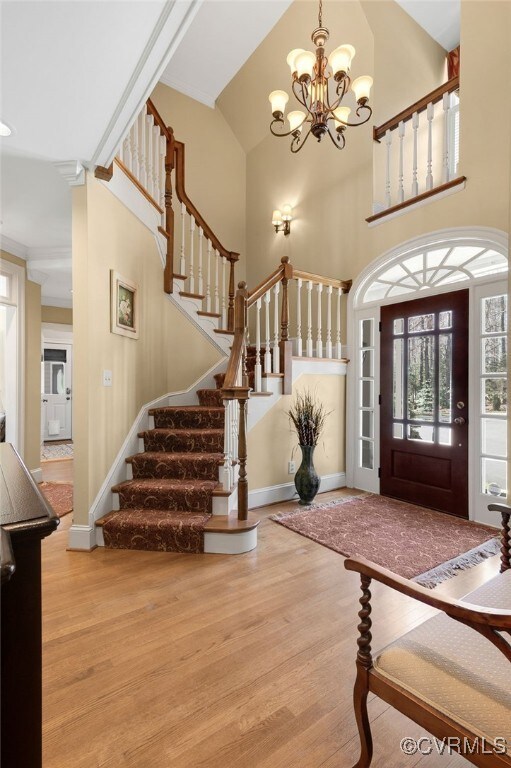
72 171
36 276
55 301
188 90
167 34
13 247
47 253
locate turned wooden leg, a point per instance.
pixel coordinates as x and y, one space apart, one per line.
364 727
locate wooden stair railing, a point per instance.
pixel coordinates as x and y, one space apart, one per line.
433 168
148 157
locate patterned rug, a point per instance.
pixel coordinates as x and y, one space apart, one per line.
416 543
59 495
51 451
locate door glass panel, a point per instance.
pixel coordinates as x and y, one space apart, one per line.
367 363
367 394
445 378
494 314
398 378
420 432
4 286
445 319
421 323
421 368
495 354
366 454
445 435
366 333
398 431
495 395
494 437
399 326
367 423
494 477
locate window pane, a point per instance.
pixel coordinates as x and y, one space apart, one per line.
421 323
399 326
57 379
420 432
366 454
367 394
367 333
494 477
494 314
495 354
398 431
494 437
366 365
398 379
495 395
445 319
367 423
421 370
4 286
445 435
445 378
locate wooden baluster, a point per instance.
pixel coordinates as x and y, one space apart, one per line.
275 351
217 297
168 274
267 354
156 163
430 112
338 349
227 465
258 368
299 317
242 462
199 270
135 163
328 348
230 309
163 149
126 153
309 347
446 103
142 160
182 263
319 340
400 185
150 154
224 306
191 270
415 126
388 143
208 280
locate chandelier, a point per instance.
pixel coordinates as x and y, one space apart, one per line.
312 86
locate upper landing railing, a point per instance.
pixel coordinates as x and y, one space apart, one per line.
154 161
419 153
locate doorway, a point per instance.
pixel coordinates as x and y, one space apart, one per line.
424 402
56 403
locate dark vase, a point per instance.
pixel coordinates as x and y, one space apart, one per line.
307 479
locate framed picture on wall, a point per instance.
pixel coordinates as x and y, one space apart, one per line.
123 306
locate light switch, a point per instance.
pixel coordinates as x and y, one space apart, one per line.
107 378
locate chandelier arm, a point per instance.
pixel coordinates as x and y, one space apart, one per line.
279 121
298 142
361 122
336 140
301 95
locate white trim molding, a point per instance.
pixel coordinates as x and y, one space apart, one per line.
261 497
81 537
72 171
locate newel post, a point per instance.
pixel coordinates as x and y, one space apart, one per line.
232 258
285 345
168 274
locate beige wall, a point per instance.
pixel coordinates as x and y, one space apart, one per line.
169 355
32 405
59 315
272 443
215 167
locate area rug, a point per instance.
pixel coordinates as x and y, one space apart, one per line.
52 451
59 495
416 543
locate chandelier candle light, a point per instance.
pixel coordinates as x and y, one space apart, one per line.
312 75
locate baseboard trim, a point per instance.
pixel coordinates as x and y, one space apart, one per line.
81 537
260 497
230 543
37 474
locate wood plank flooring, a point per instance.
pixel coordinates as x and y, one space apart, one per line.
58 470
158 660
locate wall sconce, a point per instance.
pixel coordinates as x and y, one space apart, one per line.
281 220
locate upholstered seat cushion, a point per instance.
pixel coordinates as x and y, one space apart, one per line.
457 670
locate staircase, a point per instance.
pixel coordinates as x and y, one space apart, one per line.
174 501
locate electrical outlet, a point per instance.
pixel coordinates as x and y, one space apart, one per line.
107 378
291 468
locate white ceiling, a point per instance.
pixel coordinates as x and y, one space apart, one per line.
74 74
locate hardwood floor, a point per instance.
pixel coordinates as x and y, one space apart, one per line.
58 470
157 660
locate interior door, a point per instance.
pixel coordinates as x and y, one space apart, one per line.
56 391
424 402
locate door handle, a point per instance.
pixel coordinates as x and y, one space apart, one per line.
45 401
68 398
460 420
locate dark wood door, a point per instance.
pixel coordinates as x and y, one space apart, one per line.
424 402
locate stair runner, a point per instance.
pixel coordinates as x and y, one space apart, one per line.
168 503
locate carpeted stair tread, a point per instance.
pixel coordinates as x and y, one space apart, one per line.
180 440
155 529
165 493
188 416
210 397
177 465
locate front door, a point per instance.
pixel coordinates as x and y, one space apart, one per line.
56 391
424 402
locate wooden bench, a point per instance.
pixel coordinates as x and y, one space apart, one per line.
452 673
